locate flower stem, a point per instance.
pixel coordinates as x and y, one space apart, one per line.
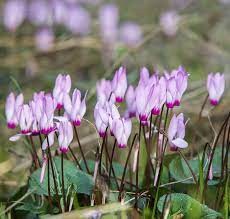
35 155
82 153
125 168
113 171
53 174
137 167
213 151
187 163
202 107
102 148
63 182
48 176
75 158
158 134
111 160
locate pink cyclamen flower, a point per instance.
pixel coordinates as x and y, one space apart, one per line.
144 102
215 86
65 136
101 117
181 77
146 79
12 106
61 88
78 20
36 106
25 118
60 11
113 114
119 84
104 90
130 34
44 39
46 122
169 22
122 130
159 96
131 102
40 12
171 92
75 108
176 132
14 14
108 19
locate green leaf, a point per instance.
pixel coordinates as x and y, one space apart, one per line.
180 171
82 182
189 207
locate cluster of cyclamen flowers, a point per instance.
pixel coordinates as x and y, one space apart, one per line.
148 98
42 114
38 116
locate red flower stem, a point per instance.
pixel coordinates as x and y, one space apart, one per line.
158 135
213 151
113 171
158 180
149 164
48 177
35 155
102 148
125 168
202 107
63 182
80 147
75 158
224 158
111 160
53 174
137 167
187 163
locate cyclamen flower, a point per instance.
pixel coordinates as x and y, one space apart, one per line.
78 20
44 39
46 123
131 102
181 77
119 84
101 117
104 91
215 86
171 92
159 96
65 136
76 108
25 118
176 132
40 12
122 130
108 19
61 88
12 106
14 14
36 106
60 11
130 34
113 114
169 22
145 79
144 102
